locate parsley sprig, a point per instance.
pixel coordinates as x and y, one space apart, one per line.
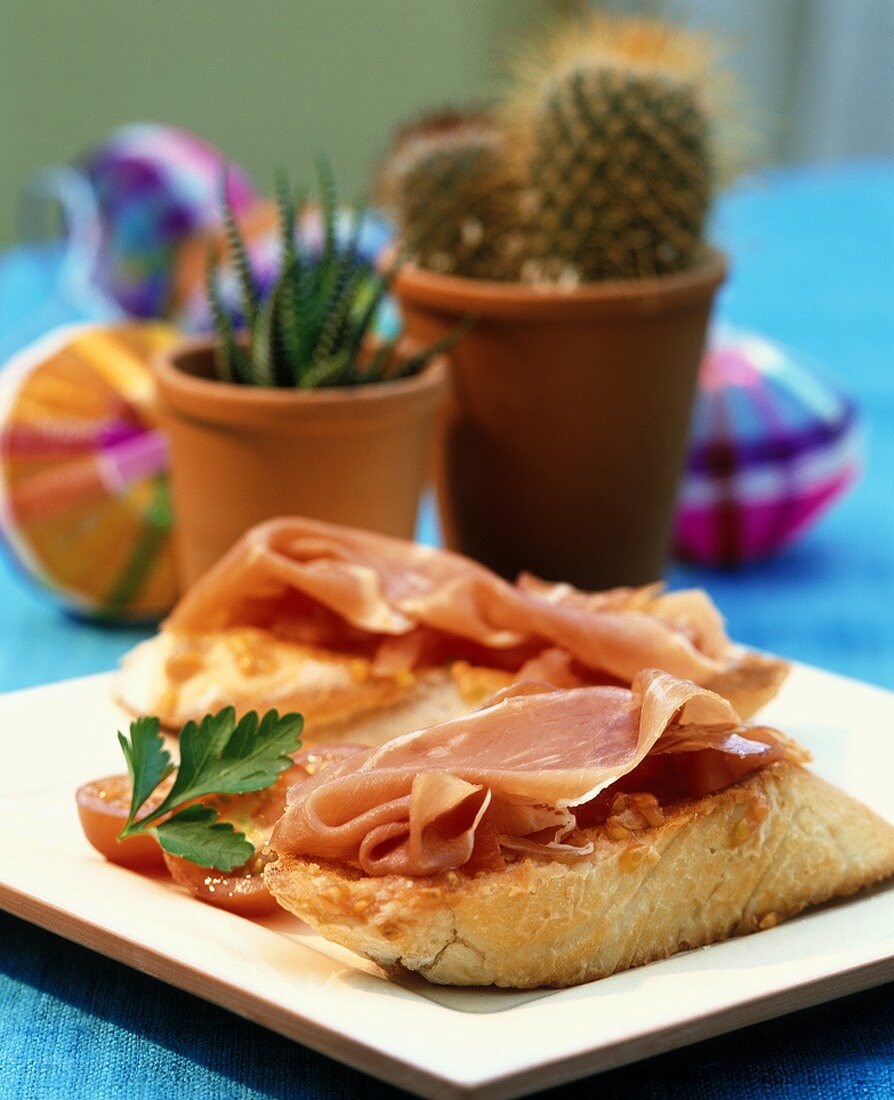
217 756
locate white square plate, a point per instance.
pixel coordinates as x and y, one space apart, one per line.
437 1042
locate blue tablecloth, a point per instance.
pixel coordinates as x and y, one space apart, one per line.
814 267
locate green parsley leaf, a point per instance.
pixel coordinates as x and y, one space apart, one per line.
221 757
148 761
217 756
195 834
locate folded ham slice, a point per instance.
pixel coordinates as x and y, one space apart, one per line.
522 773
407 606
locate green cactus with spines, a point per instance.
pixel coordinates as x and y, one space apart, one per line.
600 162
457 199
620 175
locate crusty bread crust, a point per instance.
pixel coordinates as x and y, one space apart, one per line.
436 695
341 698
178 679
735 862
750 681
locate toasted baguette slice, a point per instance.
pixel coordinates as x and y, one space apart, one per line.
734 862
751 680
182 678
178 679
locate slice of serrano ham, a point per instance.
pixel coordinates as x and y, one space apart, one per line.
515 775
402 607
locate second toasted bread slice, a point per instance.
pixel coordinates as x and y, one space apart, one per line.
734 862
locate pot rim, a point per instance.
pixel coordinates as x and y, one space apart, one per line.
491 298
210 398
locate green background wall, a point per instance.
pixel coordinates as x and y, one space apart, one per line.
269 81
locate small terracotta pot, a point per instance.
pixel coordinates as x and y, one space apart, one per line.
244 454
565 428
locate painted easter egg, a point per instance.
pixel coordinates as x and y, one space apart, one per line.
84 505
773 446
154 187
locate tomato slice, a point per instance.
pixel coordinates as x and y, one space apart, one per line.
243 891
103 806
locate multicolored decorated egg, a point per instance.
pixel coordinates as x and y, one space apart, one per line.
154 187
773 445
83 484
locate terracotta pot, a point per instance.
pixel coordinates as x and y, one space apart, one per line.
564 432
243 454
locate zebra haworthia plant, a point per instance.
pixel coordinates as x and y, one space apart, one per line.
315 326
